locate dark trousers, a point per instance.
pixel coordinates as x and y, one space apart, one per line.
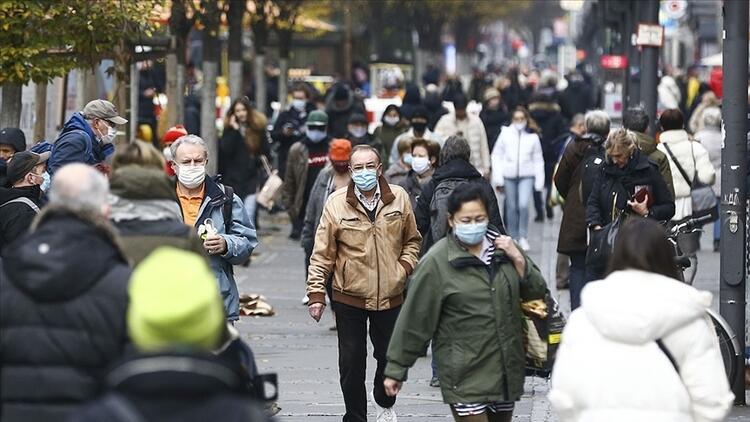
352 332
577 278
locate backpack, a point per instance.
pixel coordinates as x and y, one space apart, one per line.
23 200
593 163
439 206
226 208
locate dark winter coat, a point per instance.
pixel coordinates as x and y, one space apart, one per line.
576 98
647 144
293 189
240 168
295 120
572 237
77 144
16 217
494 120
368 139
146 213
175 387
456 168
613 190
412 100
552 124
63 300
435 110
338 118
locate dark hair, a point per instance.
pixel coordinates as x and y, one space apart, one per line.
255 123
463 193
672 119
642 245
433 148
390 107
365 147
298 87
460 102
530 122
635 119
455 147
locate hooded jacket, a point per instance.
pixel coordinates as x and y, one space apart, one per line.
517 154
63 300
77 144
612 336
338 117
16 217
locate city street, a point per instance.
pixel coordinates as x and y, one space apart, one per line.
304 354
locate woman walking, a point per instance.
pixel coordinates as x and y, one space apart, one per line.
465 296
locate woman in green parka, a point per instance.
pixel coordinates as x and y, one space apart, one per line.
465 296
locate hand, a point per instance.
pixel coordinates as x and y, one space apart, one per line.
640 208
392 387
215 245
597 228
316 310
233 122
149 93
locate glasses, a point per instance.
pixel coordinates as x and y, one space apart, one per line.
368 166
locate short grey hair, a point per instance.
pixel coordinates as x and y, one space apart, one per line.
597 121
79 187
577 120
187 139
455 147
712 117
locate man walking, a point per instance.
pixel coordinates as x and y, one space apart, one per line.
21 200
368 239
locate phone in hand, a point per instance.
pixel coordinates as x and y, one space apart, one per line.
643 192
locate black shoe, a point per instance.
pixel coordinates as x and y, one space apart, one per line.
295 236
550 214
434 382
539 218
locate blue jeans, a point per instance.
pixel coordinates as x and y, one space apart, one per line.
577 278
518 192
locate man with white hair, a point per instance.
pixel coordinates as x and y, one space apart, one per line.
63 300
217 213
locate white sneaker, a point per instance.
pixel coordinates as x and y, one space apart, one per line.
305 300
383 414
524 244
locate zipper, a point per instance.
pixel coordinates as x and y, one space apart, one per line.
518 159
377 264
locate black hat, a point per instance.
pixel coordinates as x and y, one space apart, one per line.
22 163
341 93
460 102
420 112
14 137
357 118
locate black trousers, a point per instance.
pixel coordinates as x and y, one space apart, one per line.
352 332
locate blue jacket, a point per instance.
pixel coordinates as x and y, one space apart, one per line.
77 144
241 240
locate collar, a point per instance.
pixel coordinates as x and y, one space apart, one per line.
386 195
183 195
673 136
459 257
361 196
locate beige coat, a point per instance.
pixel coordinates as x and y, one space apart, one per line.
473 130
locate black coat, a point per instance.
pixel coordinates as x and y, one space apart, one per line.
16 217
175 387
552 124
63 299
615 187
456 168
493 121
240 168
295 120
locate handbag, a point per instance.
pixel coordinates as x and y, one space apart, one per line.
267 195
702 195
543 324
601 244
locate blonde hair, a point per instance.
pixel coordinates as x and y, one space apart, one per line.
138 153
621 140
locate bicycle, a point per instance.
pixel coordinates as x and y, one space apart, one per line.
728 343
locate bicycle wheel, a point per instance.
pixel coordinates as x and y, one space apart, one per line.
728 344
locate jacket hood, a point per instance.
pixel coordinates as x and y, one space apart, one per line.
594 138
138 182
77 122
646 143
412 95
456 168
9 194
64 255
637 307
674 136
433 101
544 106
331 104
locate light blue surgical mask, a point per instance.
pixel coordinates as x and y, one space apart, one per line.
316 135
408 158
46 182
471 234
365 179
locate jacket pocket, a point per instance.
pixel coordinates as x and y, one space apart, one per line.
353 234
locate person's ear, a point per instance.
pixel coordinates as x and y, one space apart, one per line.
174 166
450 221
433 160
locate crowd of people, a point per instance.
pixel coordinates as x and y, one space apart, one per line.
420 227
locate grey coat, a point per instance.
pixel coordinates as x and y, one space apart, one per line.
315 205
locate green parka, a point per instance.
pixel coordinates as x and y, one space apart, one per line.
472 313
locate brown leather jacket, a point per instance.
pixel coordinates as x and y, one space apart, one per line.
370 261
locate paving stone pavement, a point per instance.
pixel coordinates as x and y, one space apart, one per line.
304 353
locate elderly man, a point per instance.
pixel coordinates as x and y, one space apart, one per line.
63 300
368 239
586 151
218 214
87 136
20 201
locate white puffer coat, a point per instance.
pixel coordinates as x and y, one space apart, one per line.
517 154
609 367
693 158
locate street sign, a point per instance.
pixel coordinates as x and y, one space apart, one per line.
613 62
650 35
675 9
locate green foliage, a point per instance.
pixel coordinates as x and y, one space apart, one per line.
44 39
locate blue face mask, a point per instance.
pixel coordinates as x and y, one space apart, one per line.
46 182
365 180
316 135
408 158
471 234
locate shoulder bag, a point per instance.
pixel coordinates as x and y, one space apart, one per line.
702 196
268 194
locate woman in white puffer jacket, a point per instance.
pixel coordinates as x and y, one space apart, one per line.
609 366
517 168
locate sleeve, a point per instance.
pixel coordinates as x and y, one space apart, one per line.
484 148
68 149
663 207
441 128
564 174
705 170
538 158
422 213
417 321
289 187
498 151
533 285
696 351
394 150
593 206
666 173
323 257
564 385
18 222
313 211
411 240
241 237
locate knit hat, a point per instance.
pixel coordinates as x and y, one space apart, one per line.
340 150
14 137
173 134
174 303
491 93
317 118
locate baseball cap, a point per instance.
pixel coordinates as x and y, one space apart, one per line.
317 118
357 118
340 150
22 163
14 137
103 109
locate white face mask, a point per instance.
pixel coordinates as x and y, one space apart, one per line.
420 164
519 126
299 105
109 136
391 120
191 176
359 132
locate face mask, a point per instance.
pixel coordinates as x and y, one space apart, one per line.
191 176
519 126
471 234
359 132
419 127
408 158
316 135
420 164
46 182
299 105
391 120
340 166
110 136
365 180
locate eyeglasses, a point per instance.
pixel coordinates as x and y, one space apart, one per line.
368 166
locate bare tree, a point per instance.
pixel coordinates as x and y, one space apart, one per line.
210 16
179 28
235 15
284 25
260 23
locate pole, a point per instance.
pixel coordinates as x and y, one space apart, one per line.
649 66
733 186
347 42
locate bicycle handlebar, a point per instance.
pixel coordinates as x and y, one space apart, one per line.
692 224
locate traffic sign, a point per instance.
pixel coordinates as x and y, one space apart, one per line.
650 35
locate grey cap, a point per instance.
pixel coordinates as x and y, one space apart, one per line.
102 109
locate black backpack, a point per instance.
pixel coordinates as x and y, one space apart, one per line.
593 163
439 206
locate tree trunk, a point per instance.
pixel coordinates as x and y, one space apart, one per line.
283 82
133 91
40 111
234 47
179 28
11 105
260 82
121 97
208 113
171 89
85 87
